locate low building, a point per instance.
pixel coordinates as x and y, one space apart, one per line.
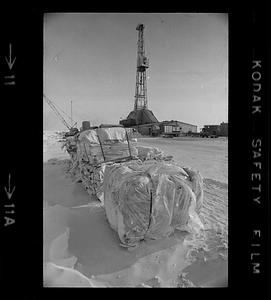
176 127
185 127
152 129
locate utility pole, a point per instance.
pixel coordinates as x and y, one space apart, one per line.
71 114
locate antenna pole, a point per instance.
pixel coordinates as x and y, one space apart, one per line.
71 113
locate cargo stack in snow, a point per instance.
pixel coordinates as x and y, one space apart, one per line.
145 194
93 149
150 200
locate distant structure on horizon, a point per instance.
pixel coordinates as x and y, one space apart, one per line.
141 118
219 130
141 114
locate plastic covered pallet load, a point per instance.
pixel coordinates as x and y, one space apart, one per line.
104 135
104 144
150 200
95 148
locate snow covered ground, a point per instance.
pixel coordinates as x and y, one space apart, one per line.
81 249
208 155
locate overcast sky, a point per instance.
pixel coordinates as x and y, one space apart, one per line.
91 60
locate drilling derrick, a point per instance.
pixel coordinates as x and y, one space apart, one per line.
141 114
142 65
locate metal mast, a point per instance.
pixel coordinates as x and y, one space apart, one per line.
142 65
53 107
71 112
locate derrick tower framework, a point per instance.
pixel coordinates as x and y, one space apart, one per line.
142 64
140 115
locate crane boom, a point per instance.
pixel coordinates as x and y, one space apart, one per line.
51 104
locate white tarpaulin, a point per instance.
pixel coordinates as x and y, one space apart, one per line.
150 200
94 148
104 144
103 135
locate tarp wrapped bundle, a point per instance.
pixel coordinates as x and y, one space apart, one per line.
95 154
117 134
104 144
94 149
104 135
150 200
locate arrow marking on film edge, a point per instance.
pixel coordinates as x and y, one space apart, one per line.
9 194
9 61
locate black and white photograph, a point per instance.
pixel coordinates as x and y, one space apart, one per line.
135 150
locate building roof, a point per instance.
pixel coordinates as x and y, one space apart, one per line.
166 122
